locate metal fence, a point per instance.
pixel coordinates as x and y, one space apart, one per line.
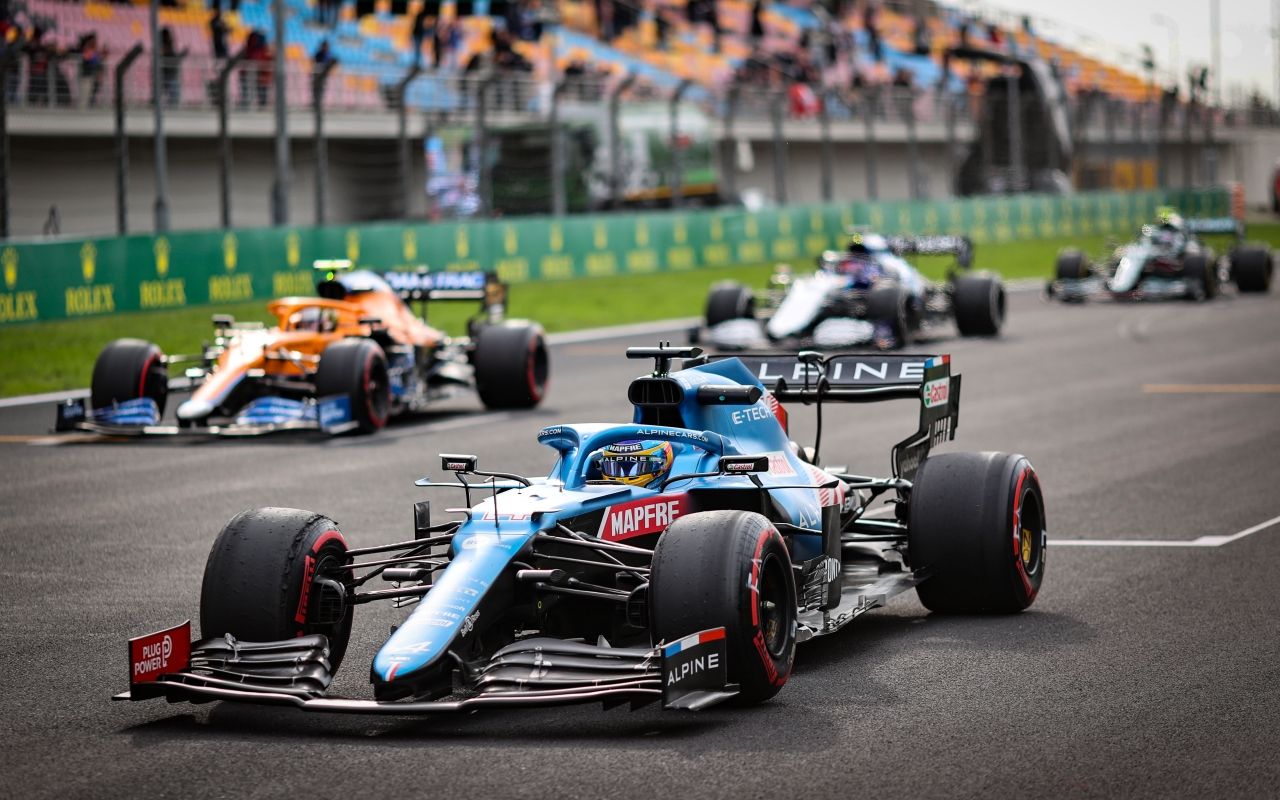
480 100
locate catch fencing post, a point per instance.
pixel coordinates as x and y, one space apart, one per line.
319 82
777 107
402 136
157 104
868 116
558 202
1016 164
280 187
224 141
906 102
122 142
485 178
615 141
677 160
729 162
824 131
7 62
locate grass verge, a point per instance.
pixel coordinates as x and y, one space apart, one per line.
49 356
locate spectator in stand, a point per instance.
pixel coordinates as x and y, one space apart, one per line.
40 55
524 20
422 21
319 60
604 19
10 46
445 40
90 82
171 67
218 34
993 33
704 12
624 14
505 58
757 22
870 14
255 73
920 37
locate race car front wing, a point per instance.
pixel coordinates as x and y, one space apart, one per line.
686 674
269 414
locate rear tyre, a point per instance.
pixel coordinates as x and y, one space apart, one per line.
730 569
728 300
1071 266
128 369
1201 275
978 302
977 529
260 582
890 306
357 368
512 365
1251 269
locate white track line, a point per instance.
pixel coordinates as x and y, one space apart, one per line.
421 430
47 397
1201 541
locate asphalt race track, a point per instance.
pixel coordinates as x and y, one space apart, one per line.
1148 667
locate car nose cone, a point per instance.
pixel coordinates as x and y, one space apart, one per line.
194 409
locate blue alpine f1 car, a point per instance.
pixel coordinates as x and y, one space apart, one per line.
677 558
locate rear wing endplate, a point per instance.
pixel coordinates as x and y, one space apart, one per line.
811 377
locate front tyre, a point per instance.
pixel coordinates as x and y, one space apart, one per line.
261 580
730 569
512 365
1071 266
357 368
979 303
128 369
1201 275
977 532
889 308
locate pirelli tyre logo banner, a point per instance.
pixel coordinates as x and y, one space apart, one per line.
67 279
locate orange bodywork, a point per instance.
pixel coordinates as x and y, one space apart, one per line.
287 351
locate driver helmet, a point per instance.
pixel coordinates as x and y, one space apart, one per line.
319 320
636 462
861 268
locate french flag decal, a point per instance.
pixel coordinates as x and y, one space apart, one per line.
693 640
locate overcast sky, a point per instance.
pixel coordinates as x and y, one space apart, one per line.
1248 57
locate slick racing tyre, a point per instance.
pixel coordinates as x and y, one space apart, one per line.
275 574
728 300
1201 275
1071 266
891 306
730 569
1251 269
976 529
357 368
512 365
978 302
127 369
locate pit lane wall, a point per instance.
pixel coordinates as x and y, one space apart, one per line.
95 276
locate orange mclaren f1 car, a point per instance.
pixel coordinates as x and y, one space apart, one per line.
344 361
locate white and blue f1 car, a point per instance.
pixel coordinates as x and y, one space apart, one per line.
867 295
677 558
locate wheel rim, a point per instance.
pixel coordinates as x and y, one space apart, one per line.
1030 533
773 606
378 391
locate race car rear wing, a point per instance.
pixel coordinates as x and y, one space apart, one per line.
422 285
1223 225
811 377
959 246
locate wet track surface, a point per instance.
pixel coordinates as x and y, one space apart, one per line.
1139 671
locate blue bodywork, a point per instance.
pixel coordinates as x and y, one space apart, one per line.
487 541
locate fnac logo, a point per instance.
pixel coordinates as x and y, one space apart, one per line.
161 251
88 261
409 245
717 229
229 245
353 245
642 233
293 249
510 239
557 237
681 231
600 236
10 259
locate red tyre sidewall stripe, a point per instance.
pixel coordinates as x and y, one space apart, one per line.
1017 531
378 421
142 379
530 363
770 669
308 573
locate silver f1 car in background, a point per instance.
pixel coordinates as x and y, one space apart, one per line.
1168 261
865 296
